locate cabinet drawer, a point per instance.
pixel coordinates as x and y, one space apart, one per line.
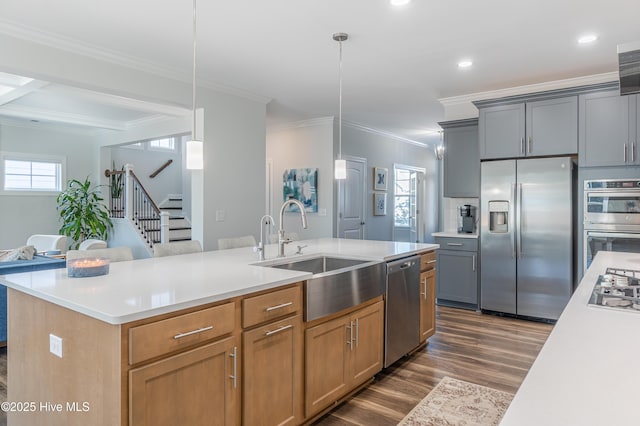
428 260
266 307
466 244
161 337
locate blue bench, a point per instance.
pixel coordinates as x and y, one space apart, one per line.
38 263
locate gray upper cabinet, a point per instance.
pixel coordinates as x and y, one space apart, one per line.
608 129
536 128
501 131
461 159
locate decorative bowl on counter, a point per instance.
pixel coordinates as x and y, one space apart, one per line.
89 267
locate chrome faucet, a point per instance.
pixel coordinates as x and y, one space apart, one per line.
263 221
281 238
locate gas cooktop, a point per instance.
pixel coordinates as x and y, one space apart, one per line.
617 288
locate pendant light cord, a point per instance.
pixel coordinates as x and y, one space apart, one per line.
193 106
339 107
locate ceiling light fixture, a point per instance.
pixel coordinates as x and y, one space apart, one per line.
340 167
587 38
193 147
465 64
399 2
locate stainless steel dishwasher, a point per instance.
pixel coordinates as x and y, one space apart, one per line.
402 308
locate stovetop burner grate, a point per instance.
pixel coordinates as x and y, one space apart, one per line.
617 288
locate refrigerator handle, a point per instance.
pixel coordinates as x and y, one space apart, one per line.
519 222
512 220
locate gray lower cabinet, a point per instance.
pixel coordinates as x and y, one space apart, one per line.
608 129
535 128
461 158
457 278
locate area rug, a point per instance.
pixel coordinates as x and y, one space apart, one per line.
458 403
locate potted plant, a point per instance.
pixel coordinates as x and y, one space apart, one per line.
82 212
116 181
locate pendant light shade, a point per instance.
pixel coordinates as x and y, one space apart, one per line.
340 169
193 147
340 166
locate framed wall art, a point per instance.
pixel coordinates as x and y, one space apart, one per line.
301 184
379 203
379 179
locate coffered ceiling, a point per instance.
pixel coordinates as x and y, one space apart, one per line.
397 62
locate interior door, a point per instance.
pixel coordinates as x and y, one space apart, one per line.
351 200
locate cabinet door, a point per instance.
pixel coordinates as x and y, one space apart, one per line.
366 347
197 387
427 304
327 348
457 276
604 129
461 162
501 131
635 129
272 360
552 127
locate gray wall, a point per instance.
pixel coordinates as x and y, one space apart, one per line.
24 215
384 151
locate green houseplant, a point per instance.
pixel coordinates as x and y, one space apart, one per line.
82 212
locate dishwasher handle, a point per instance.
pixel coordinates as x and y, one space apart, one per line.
402 264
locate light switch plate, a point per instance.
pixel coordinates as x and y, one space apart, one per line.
219 215
55 345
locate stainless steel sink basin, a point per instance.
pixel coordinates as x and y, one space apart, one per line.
337 283
318 265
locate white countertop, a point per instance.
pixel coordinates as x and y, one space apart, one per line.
454 234
147 287
588 371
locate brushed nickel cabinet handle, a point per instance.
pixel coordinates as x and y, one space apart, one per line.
633 153
521 145
455 244
424 283
432 261
350 341
474 263
283 328
189 333
234 376
530 144
357 330
283 305
624 153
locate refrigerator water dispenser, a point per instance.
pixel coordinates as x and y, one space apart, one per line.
498 216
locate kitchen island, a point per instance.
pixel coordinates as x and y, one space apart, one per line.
208 309
586 373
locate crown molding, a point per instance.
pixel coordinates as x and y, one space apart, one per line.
39 114
384 133
68 44
530 88
320 121
52 126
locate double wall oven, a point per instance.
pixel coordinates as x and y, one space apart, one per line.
611 217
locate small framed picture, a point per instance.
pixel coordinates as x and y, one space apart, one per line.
379 203
379 179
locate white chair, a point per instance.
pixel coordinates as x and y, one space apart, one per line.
114 254
177 247
44 243
230 243
92 244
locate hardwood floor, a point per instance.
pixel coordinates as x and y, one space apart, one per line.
484 349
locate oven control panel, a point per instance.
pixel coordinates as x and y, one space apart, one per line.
612 184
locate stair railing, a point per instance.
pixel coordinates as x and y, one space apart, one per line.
136 205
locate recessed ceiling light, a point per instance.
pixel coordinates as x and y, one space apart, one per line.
399 2
588 38
465 64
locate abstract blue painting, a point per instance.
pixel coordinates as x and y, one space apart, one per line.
301 184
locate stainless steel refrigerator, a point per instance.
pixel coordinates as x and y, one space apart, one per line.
526 236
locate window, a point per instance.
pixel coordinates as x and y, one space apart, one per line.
404 197
31 174
165 144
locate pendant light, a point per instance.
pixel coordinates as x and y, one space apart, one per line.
340 167
194 146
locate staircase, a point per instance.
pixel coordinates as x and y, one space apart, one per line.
179 226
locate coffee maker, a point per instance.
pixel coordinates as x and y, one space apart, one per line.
467 224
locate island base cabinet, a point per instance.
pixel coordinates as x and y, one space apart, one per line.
427 304
272 386
341 354
197 387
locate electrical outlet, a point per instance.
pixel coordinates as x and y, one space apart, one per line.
55 345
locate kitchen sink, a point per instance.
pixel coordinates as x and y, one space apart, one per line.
337 283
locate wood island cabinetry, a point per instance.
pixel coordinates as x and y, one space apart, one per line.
341 354
427 295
